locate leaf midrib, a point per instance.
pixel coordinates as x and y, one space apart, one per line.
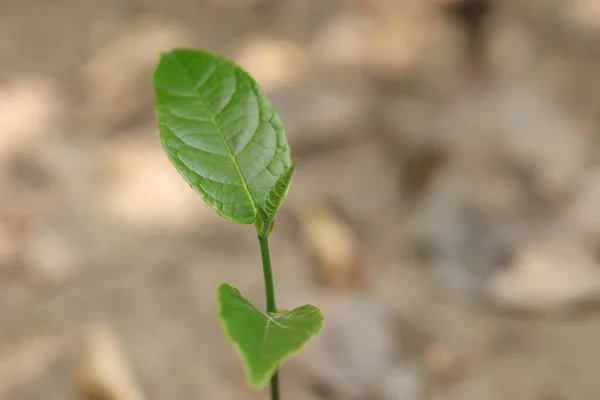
219 130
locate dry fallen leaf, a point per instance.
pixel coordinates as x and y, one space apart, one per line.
132 168
333 244
549 275
105 373
273 63
116 79
30 106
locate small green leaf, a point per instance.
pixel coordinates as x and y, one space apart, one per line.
219 131
264 226
277 194
265 341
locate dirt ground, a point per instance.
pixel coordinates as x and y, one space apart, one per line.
443 213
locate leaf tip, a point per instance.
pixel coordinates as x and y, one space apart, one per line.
225 288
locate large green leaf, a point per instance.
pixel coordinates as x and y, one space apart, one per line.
265 341
219 131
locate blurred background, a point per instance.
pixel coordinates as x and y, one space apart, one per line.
444 213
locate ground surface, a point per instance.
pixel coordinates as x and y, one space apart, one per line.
462 260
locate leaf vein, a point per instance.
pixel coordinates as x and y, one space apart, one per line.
197 86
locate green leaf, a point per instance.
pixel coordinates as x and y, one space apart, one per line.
219 131
265 341
278 192
264 226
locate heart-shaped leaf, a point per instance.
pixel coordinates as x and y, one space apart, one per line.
265 341
219 131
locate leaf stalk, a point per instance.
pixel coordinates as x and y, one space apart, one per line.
263 240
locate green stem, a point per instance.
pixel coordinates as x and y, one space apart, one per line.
268 273
270 292
275 386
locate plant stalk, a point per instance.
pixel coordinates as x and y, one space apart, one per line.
270 293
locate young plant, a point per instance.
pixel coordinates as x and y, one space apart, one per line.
227 142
